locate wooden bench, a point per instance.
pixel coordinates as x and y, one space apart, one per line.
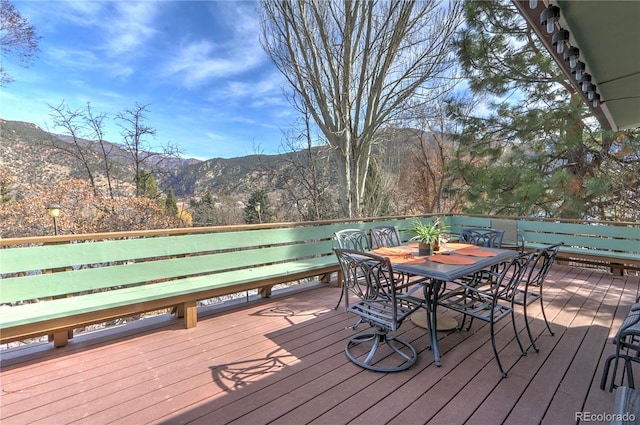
615 245
52 289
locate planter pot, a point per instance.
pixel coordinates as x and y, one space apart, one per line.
424 249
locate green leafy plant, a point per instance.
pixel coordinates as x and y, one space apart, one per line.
428 233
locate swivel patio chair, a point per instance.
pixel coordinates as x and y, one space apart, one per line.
381 304
382 236
485 302
490 238
356 239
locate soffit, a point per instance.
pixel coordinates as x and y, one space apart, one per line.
608 36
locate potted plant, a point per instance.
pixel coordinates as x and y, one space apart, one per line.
427 234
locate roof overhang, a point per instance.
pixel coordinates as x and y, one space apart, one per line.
607 34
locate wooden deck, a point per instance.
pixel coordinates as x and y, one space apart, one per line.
281 361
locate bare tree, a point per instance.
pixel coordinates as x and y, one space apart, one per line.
18 39
355 64
72 121
308 170
94 124
136 142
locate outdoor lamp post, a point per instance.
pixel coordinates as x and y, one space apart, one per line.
54 212
258 211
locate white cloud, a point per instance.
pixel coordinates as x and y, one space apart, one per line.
203 61
131 28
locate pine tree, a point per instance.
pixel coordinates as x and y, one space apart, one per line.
538 151
171 205
258 208
205 213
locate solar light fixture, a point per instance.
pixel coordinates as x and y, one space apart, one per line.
586 82
579 71
571 55
54 212
558 39
549 17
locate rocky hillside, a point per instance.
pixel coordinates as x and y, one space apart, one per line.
33 155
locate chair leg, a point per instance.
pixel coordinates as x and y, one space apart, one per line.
495 350
515 331
526 323
615 367
605 371
627 365
344 288
544 315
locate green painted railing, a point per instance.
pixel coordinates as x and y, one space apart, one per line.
144 270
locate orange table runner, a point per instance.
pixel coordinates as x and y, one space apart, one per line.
475 252
393 251
455 246
451 259
399 255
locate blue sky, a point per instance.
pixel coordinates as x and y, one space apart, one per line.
199 66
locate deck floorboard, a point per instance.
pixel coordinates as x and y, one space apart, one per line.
281 361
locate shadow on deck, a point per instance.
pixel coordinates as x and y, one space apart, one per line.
281 361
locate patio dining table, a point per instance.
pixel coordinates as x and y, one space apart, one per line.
457 261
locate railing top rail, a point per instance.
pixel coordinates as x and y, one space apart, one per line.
61 239
550 219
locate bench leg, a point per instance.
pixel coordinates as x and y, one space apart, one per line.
326 278
617 269
188 311
265 292
60 339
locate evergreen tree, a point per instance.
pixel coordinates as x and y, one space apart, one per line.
146 184
538 151
258 208
205 213
171 205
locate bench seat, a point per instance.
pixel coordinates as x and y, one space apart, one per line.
57 315
53 289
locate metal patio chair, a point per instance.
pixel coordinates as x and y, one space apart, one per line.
530 288
385 236
382 304
490 238
627 342
512 237
533 280
487 302
388 236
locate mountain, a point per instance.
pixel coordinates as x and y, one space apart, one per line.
33 155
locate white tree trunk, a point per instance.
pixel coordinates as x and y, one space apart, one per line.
355 64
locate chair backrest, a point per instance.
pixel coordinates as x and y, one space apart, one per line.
490 238
541 264
370 278
385 236
512 236
356 239
511 276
